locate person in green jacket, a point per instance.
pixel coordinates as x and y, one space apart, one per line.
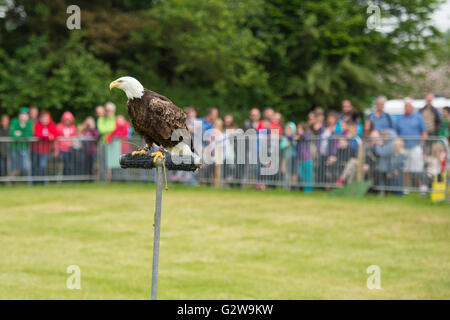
20 130
106 125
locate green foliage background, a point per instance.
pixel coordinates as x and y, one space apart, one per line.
233 54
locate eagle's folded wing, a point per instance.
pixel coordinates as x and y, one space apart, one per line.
166 117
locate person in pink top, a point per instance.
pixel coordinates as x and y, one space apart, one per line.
66 131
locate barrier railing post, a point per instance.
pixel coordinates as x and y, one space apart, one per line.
360 168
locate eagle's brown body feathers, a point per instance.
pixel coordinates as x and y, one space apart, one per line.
155 117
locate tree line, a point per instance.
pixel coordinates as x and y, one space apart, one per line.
232 54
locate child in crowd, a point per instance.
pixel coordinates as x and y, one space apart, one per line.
351 166
66 131
191 113
397 164
345 125
78 152
367 129
91 134
288 145
336 164
435 162
384 149
303 156
352 134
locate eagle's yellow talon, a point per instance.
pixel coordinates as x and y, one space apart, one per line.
140 152
157 155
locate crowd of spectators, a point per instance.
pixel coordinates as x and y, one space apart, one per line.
38 140
323 150
399 155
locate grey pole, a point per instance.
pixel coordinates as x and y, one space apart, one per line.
145 162
157 227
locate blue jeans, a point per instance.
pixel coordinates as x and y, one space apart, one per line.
90 160
397 181
21 162
67 163
39 164
3 165
305 170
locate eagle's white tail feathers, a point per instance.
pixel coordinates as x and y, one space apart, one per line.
181 149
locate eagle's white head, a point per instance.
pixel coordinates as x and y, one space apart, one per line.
132 87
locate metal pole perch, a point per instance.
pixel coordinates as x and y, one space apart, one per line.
146 162
157 231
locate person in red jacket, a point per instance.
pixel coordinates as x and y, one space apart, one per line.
66 131
121 132
271 115
45 131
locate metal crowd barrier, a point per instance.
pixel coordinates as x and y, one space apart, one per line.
307 163
32 160
407 164
397 165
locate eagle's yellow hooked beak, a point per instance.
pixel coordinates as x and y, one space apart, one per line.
113 85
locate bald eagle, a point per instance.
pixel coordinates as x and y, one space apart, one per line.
155 118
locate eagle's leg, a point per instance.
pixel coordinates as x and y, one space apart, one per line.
158 154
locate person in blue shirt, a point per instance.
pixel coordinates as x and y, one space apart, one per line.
411 124
380 119
208 122
412 128
209 119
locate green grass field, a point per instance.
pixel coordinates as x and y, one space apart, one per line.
219 244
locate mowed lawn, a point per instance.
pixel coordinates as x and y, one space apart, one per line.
219 244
